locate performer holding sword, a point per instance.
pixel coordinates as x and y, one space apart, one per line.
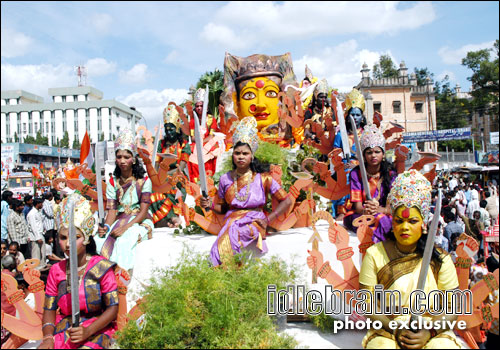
82 287
408 261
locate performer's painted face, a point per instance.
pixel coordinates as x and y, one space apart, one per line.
64 241
373 156
198 108
124 160
259 98
407 225
306 83
357 114
242 157
322 100
170 132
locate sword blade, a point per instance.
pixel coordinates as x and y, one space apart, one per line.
343 131
199 153
73 267
429 247
99 162
359 154
205 109
157 141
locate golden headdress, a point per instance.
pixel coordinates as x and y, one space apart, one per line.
84 218
321 88
355 99
411 189
199 95
170 115
126 141
246 132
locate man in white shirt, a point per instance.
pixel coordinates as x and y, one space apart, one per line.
453 183
35 224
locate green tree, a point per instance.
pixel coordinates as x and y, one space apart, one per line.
215 81
101 137
422 74
484 78
41 140
30 140
384 68
16 138
76 143
451 113
65 140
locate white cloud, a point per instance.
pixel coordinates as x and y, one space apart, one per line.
97 67
451 76
172 57
15 44
152 102
37 79
223 36
339 65
450 56
136 75
101 22
272 21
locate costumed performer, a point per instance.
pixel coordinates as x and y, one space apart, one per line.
209 128
355 107
165 204
380 177
128 192
242 196
251 88
395 264
97 291
318 110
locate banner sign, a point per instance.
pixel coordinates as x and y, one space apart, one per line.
494 137
437 135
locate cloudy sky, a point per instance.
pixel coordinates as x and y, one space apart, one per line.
146 54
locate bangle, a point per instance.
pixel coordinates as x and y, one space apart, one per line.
324 270
48 324
109 228
49 336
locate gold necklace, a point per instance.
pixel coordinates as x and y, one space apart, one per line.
235 184
400 253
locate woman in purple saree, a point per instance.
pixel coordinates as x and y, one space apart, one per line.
242 196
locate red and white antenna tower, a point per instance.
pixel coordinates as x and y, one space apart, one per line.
81 71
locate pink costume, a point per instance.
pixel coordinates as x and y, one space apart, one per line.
98 290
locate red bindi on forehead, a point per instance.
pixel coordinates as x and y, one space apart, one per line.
259 84
406 213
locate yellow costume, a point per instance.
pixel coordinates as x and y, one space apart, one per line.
401 274
395 263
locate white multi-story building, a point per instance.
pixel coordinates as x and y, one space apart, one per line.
73 109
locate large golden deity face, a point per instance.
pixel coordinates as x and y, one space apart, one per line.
258 97
407 225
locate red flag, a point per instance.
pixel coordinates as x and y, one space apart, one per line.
35 172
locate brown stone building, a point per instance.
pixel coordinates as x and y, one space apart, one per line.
401 100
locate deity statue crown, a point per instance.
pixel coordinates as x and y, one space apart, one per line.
246 132
355 99
126 141
84 218
372 137
170 115
411 189
263 66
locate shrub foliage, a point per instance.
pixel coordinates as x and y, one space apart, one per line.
193 305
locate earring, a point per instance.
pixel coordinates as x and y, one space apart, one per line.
424 230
